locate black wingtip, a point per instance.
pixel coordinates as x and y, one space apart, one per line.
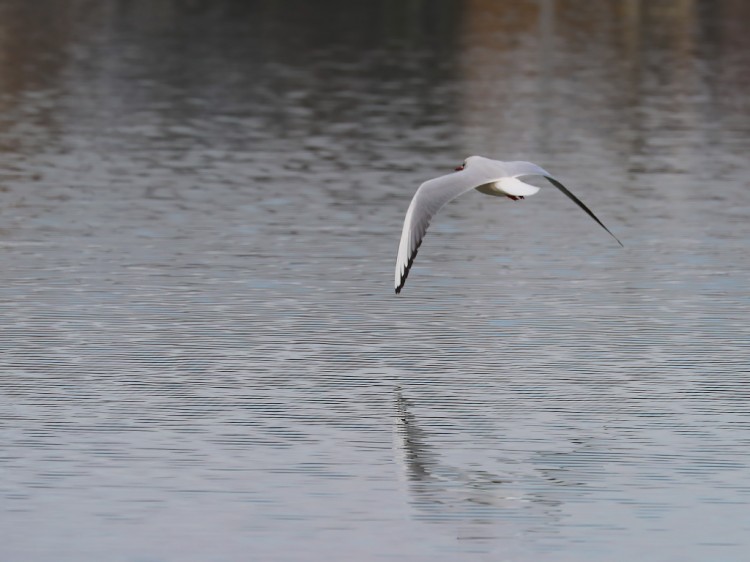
405 274
578 202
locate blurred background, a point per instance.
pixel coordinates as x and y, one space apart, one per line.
201 356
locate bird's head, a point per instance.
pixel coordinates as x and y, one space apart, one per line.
467 162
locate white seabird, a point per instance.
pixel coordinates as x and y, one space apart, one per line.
491 177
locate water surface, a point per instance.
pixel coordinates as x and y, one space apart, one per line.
202 356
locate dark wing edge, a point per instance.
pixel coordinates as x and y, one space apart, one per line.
421 232
405 272
578 202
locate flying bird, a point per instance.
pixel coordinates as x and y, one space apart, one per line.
491 177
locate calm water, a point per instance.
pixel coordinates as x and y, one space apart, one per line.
201 354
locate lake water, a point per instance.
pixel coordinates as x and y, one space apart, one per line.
201 354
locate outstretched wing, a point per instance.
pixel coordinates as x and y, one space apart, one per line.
431 196
528 169
578 202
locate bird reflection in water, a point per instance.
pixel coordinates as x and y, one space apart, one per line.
474 498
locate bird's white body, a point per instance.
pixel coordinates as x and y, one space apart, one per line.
491 177
508 187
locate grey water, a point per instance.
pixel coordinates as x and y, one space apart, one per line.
201 353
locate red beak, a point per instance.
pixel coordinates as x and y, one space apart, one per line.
461 167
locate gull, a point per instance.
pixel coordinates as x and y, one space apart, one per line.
491 177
